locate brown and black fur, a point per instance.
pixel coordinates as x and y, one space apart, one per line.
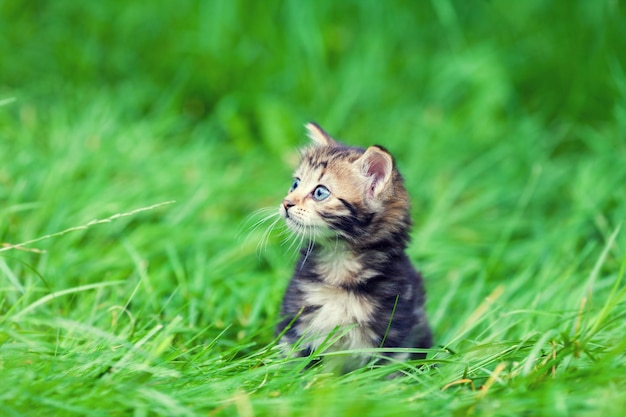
353 277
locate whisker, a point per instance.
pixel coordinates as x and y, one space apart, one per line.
265 212
294 237
311 235
268 212
261 221
303 231
262 245
255 220
286 234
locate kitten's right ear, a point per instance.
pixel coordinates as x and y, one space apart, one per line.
317 135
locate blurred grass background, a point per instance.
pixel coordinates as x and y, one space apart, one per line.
507 119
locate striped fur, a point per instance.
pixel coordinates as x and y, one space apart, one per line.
353 277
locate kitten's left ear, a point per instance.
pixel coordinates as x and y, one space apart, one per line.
377 166
317 135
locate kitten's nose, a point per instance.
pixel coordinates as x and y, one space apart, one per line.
287 204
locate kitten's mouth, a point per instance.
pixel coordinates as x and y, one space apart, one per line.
315 232
292 222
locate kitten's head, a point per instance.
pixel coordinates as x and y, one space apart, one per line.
349 193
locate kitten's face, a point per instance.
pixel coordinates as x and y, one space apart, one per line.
337 190
317 191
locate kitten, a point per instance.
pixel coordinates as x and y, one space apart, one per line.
353 282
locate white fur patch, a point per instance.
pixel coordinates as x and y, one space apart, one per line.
338 266
339 309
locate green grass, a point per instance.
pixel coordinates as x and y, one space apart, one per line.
507 119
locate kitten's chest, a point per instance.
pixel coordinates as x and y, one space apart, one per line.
336 309
340 268
335 306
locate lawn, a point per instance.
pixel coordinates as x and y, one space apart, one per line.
141 141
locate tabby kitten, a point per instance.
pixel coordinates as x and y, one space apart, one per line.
353 283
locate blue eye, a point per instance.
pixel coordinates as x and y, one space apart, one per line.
295 184
321 193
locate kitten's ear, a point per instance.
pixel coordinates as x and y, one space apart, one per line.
317 135
377 167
